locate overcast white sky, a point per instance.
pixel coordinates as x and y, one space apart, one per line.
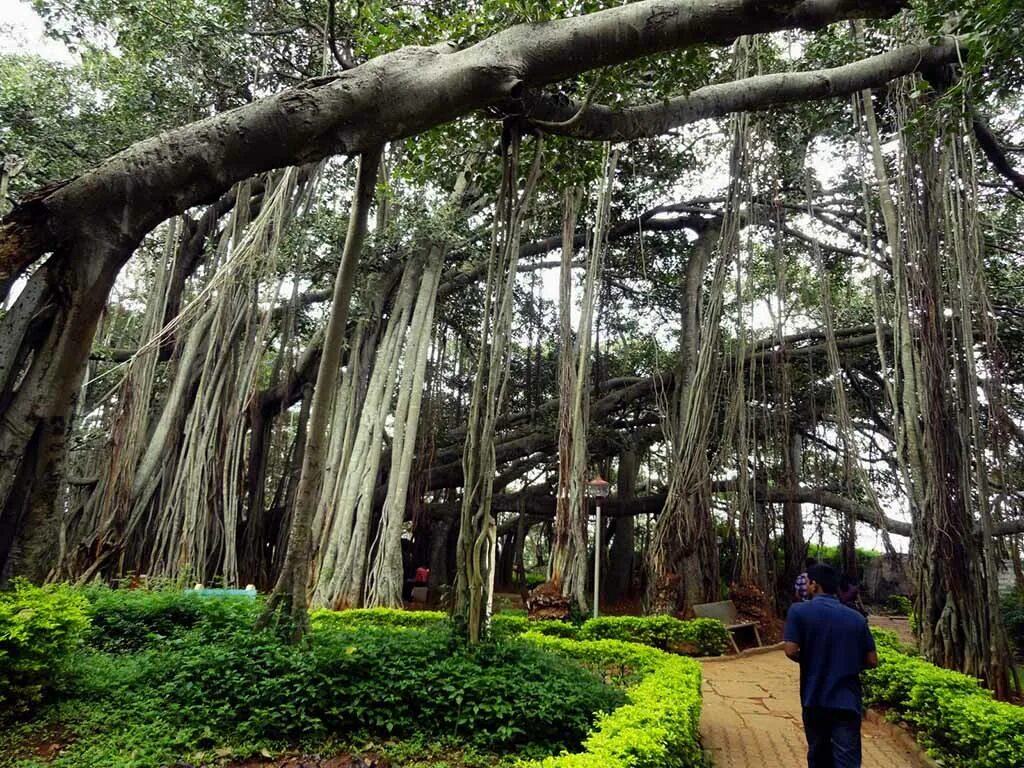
21 31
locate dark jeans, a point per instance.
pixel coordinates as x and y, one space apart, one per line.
833 738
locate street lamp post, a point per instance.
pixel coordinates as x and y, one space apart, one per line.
599 488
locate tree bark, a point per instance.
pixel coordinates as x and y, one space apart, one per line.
619 579
749 94
291 590
40 373
793 546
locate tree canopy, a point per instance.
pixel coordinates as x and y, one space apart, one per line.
298 294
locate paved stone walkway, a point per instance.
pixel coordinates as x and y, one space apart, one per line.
751 717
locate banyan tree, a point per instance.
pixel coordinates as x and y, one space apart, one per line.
383 286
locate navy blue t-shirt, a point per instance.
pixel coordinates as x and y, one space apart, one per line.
833 642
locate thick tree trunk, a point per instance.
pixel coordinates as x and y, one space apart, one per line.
1017 564
385 577
46 337
683 557
568 568
503 576
619 579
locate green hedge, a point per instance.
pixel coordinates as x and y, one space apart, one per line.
503 625
658 728
39 628
707 637
955 718
703 637
376 617
899 604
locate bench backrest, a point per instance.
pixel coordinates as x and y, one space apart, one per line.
723 610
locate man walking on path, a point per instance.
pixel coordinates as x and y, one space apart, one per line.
833 645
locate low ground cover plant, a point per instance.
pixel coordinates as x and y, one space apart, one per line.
155 692
130 619
146 678
955 718
39 629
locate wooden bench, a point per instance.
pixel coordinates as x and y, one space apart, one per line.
725 612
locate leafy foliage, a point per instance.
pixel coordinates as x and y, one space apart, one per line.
39 628
955 718
830 555
704 637
159 690
384 682
899 604
658 728
375 617
1012 609
708 637
510 626
129 620
53 121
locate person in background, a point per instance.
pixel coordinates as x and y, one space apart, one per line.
849 594
800 585
833 645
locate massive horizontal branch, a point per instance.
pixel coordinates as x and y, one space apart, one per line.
614 396
396 95
995 151
842 342
542 504
826 498
749 94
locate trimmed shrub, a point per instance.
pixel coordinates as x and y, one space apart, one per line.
39 628
658 728
886 638
323 618
707 637
703 637
955 718
899 605
505 626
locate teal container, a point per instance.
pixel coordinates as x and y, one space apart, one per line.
249 594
